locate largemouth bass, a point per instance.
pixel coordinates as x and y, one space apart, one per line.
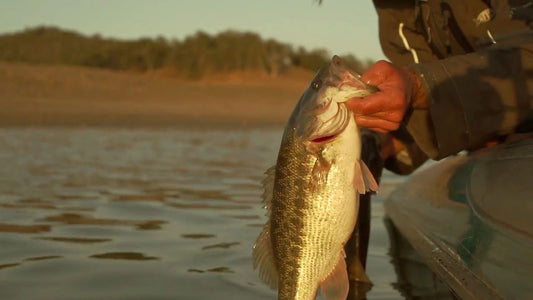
312 192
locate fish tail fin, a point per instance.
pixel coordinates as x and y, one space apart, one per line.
364 180
336 284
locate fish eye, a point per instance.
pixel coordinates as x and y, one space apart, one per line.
316 84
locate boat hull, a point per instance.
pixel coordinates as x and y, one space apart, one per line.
470 218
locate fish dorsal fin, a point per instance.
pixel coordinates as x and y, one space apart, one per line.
268 187
336 285
263 257
363 179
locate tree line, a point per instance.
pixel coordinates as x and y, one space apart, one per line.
192 57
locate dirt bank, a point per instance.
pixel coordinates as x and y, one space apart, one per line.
42 95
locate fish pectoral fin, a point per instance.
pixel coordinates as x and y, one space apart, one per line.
357 272
263 258
336 285
320 172
370 182
363 179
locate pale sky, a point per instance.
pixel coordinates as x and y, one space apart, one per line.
340 26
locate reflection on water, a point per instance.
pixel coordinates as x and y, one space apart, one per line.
198 236
74 240
124 255
77 219
143 214
219 270
220 245
415 279
23 228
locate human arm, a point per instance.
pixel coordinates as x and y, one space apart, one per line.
471 98
476 97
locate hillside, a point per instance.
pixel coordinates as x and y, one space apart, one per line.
194 57
56 77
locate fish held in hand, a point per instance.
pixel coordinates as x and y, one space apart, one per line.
312 193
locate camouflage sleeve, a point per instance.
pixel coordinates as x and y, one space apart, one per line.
475 98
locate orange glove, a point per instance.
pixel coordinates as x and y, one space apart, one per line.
398 90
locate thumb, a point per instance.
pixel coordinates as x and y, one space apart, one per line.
377 73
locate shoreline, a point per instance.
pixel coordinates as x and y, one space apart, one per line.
197 126
69 96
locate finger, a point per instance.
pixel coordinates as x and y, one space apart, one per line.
368 105
377 73
395 116
376 123
378 130
386 100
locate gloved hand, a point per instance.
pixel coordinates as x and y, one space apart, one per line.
398 90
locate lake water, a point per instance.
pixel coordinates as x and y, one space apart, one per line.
144 214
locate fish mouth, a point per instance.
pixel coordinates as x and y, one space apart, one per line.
324 139
323 116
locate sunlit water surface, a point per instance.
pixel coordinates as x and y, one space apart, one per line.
143 214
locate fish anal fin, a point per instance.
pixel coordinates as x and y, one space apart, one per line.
356 272
263 258
363 179
336 285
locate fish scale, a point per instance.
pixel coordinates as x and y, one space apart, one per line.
312 194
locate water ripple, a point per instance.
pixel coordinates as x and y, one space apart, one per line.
78 204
